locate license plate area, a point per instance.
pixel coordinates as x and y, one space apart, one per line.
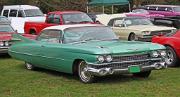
134 69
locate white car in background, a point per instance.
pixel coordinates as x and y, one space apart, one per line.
19 14
134 28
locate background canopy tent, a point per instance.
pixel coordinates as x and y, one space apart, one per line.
106 3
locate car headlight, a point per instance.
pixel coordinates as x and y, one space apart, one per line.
108 58
101 59
1 43
174 30
146 32
6 43
154 54
163 53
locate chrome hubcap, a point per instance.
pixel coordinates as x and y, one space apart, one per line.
83 73
170 57
29 66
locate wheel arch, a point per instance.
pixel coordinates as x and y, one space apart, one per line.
32 30
130 35
75 65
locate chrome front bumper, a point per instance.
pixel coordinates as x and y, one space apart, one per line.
4 49
109 71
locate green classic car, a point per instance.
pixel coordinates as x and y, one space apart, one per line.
88 50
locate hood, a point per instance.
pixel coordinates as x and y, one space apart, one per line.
150 28
5 36
115 47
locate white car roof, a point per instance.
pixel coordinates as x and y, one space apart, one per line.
23 7
105 18
63 27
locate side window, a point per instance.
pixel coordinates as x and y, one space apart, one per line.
162 8
56 19
118 23
50 18
52 36
5 13
13 13
152 8
20 13
169 9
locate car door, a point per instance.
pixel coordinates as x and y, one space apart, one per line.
50 44
119 28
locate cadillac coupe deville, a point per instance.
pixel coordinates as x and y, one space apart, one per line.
88 50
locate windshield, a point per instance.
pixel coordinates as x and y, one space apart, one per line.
75 18
33 12
6 28
140 11
137 21
80 34
176 9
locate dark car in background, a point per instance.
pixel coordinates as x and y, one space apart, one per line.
169 22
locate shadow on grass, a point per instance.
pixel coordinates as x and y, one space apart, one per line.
4 56
51 72
106 79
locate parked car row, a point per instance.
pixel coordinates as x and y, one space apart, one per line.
71 42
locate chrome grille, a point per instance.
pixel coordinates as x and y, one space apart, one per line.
130 58
124 65
163 32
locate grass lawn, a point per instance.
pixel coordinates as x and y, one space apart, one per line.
15 81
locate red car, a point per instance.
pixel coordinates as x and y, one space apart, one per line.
172 42
6 32
57 18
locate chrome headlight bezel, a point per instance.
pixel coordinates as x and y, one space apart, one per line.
6 43
155 54
100 59
1 43
163 53
104 58
109 58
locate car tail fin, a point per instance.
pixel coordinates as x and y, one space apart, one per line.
20 38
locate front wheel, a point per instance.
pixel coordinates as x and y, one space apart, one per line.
172 58
144 74
83 74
